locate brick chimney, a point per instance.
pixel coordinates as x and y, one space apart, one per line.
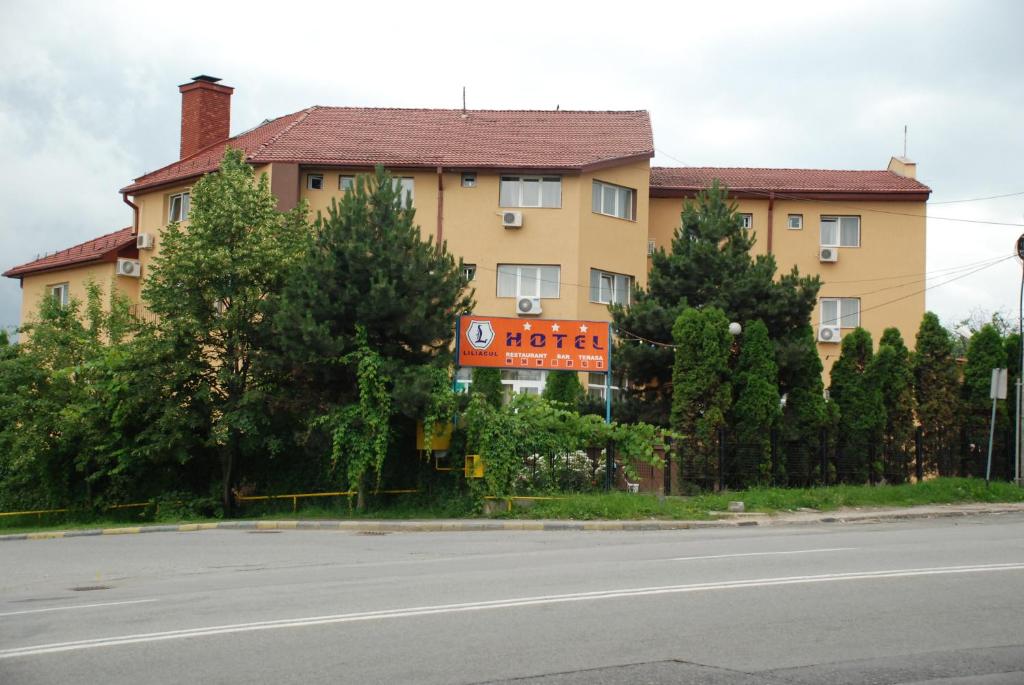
205 113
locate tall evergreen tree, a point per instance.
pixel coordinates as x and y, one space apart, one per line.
895 378
804 415
755 413
208 286
564 387
985 351
709 265
368 280
857 394
936 392
487 382
701 389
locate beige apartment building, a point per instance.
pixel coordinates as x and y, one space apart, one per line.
553 212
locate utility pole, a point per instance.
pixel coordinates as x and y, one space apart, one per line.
1019 445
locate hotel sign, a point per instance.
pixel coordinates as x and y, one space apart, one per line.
520 343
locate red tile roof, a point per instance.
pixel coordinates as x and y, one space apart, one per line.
796 181
357 136
93 250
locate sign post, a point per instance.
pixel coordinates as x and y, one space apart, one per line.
997 391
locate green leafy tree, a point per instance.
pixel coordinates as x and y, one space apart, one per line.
701 389
208 286
710 265
986 350
755 413
895 378
857 394
564 387
487 382
936 388
55 431
804 415
367 268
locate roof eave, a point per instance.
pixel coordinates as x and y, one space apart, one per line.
752 194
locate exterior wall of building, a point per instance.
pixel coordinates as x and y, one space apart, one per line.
34 287
885 272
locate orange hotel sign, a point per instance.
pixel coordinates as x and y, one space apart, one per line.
520 343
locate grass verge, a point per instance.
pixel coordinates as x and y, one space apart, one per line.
583 507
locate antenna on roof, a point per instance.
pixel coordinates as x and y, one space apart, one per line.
464 115
558 107
904 140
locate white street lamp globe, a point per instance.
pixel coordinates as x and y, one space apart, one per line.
735 329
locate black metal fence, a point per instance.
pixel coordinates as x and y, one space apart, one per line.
733 465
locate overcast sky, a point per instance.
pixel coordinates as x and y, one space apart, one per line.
89 98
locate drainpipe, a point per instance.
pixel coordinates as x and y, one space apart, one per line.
771 210
440 207
135 213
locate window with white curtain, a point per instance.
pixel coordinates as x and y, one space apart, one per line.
840 231
528 280
840 311
610 288
530 191
613 200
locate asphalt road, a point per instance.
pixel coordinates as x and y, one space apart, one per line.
937 601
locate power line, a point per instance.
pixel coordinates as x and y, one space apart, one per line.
923 273
930 278
639 338
977 199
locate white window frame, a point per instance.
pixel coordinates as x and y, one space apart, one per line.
513 384
799 222
60 292
841 314
184 202
539 281
838 220
406 185
746 220
310 178
519 181
346 187
652 247
469 272
601 188
597 389
614 280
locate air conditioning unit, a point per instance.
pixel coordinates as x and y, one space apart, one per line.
144 241
828 254
512 219
829 334
128 267
528 306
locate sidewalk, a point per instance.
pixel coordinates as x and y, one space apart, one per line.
722 520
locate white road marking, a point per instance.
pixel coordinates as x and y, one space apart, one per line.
78 606
765 554
36 650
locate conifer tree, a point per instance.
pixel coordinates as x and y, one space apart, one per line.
755 413
985 351
487 382
936 393
701 391
895 378
857 394
368 280
804 415
709 265
564 387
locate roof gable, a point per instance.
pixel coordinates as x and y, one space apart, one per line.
95 250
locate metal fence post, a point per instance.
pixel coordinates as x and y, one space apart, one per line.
823 454
721 459
609 465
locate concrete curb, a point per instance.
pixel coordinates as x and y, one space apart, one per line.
470 525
